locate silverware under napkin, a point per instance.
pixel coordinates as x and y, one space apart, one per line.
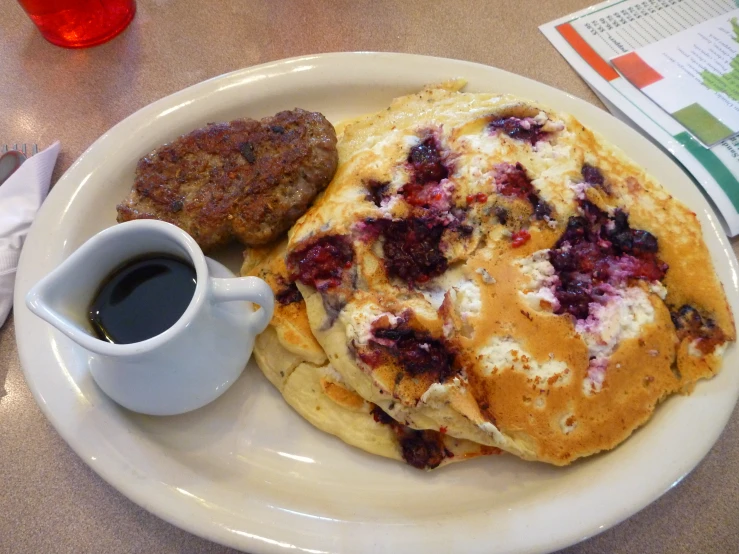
20 198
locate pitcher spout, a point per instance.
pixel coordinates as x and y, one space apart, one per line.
63 296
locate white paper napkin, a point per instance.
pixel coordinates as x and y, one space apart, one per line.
20 198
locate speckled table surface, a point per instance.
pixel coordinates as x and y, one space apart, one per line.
50 501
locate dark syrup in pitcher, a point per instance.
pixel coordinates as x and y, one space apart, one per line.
142 299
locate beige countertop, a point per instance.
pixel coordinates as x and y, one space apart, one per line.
50 501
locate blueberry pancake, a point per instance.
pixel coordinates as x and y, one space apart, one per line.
295 364
484 266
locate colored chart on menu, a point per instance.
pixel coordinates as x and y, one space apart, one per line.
692 75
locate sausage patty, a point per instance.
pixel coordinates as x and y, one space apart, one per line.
247 179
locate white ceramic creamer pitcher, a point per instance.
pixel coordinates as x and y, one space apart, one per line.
183 368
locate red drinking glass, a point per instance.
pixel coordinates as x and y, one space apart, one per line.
79 23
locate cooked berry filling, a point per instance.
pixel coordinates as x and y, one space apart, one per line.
525 129
421 449
377 192
479 198
597 251
380 416
423 190
426 164
690 324
429 196
288 293
502 214
512 180
541 208
427 171
519 238
592 175
321 262
412 249
463 229
417 352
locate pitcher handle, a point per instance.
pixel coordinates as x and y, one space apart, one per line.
252 289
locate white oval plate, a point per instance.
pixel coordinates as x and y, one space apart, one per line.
246 471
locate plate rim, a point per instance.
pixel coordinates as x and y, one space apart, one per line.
253 542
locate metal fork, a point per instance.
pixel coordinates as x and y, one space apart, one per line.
23 149
10 160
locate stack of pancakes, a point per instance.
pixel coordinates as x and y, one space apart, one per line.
484 274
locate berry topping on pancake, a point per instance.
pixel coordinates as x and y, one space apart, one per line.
322 262
288 293
702 331
411 249
597 252
526 129
426 164
416 352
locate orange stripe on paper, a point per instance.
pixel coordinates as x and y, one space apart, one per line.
636 70
586 52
